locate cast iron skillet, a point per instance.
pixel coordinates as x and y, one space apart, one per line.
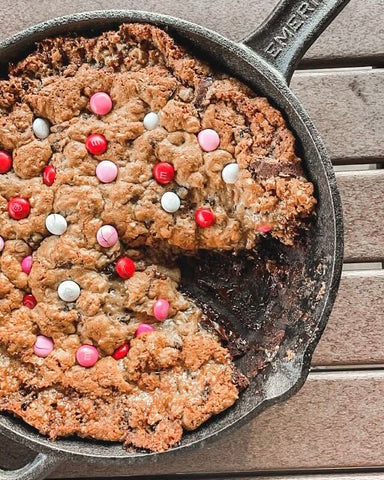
265 61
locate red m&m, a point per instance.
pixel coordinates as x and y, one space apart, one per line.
18 208
5 161
49 175
29 301
125 267
204 217
163 172
121 352
96 144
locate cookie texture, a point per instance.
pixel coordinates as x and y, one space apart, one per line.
178 376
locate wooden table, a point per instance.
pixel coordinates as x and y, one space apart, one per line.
334 428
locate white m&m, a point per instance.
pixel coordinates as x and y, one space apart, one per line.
230 173
151 120
41 128
170 202
68 291
56 224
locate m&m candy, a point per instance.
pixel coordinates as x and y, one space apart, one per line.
29 301
41 128
68 291
100 103
87 356
18 208
49 175
125 267
121 352
161 310
107 236
151 120
144 328
56 224
204 217
96 144
5 161
43 346
163 173
26 264
230 173
208 140
265 228
106 171
170 202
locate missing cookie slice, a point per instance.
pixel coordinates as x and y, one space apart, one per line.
141 152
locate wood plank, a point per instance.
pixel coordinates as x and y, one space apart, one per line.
307 432
347 40
355 331
363 201
346 107
305 476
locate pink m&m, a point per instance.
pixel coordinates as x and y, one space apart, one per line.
265 228
161 310
144 328
100 103
107 236
26 264
2 243
43 346
208 140
106 171
87 355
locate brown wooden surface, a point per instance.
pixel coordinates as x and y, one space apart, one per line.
355 331
362 195
337 420
347 108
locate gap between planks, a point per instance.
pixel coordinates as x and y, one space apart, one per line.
350 474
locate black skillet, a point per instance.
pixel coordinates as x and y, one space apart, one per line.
287 309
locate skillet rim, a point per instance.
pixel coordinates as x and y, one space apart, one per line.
21 432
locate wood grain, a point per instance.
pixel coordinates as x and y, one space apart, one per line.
304 476
362 196
289 476
346 41
346 106
355 331
334 422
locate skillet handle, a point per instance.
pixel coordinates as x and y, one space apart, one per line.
38 469
284 37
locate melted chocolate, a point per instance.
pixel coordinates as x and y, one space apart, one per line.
264 167
248 297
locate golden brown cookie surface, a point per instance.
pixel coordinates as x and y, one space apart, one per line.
179 375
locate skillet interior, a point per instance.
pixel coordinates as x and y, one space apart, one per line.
290 306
